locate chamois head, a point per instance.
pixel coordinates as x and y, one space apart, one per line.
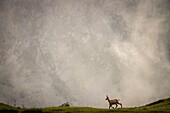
107 98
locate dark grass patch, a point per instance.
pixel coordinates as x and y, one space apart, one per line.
32 110
9 111
154 103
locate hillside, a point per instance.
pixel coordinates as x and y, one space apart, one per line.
4 108
5 105
162 106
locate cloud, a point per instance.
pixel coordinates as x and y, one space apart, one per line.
79 51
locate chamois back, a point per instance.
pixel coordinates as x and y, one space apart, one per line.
114 101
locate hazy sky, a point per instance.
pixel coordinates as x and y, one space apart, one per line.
54 51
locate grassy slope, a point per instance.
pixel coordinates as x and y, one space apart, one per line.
4 108
158 106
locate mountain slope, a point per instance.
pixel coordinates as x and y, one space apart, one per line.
162 106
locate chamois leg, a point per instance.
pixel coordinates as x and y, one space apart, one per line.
120 104
116 105
112 107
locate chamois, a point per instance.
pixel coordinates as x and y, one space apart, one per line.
64 105
112 102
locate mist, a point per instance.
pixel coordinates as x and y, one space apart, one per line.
54 51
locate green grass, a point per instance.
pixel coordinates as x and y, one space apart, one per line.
4 108
161 106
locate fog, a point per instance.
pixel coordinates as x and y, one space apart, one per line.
79 51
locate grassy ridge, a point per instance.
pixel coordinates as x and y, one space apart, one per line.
4 108
162 106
